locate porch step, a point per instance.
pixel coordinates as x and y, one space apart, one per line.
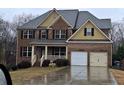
37 64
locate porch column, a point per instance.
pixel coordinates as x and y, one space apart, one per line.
46 49
66 52
32 55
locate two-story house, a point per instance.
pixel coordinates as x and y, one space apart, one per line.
75 35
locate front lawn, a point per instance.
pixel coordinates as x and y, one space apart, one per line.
119 76
26 74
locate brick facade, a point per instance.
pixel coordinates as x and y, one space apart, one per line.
21 42
61 24
91 48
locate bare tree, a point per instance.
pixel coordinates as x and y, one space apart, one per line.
8 36
117 35
19 20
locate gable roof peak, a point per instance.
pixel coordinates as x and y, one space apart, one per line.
74 16
54 9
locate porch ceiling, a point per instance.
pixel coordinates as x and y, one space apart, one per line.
48 42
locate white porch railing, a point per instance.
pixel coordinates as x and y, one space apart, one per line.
41 60
54 57
34 59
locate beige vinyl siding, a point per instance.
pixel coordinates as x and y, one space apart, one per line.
97 34
49 19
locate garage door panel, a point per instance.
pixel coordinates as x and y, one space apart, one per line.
78 58
98 59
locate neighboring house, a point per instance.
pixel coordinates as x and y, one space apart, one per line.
72 34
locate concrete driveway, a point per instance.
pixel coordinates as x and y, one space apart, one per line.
76 75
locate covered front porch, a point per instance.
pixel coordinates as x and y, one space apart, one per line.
41 53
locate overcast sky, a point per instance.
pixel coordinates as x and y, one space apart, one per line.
116 14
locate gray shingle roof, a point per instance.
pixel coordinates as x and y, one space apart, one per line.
75 17
85 15
69 15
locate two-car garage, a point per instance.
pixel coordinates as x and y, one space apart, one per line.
89 58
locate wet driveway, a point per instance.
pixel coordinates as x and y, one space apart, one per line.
76 75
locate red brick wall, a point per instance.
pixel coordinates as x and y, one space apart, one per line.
91 48
60 24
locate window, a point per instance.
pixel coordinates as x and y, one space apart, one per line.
60 34
89 32
28 34
25 34
63 51
59 51
44 34
57 34
29 51
63 34
26 51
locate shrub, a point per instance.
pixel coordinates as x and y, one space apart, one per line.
12 67
24 64
61 62
46 63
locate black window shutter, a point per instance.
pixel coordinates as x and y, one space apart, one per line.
33 33
53 51
53 33
20 51
47 34
39 34
85 31
92 31
21 34
66 34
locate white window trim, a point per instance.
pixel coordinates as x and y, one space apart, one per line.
27 51
60 34
57 34
44 34
24 33
63 34
28 33
59 52
24 51
88 30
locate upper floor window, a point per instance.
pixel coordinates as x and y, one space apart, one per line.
25 51
28 34
60 34
88 31
44 34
